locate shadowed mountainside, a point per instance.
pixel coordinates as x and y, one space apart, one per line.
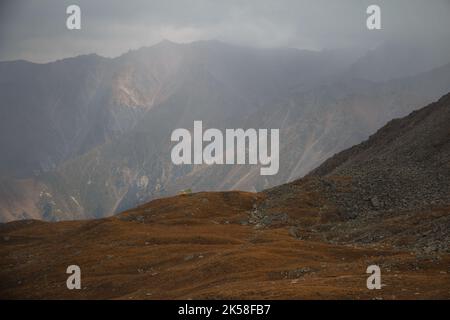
92 135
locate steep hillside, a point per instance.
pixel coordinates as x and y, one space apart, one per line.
405 165
392 188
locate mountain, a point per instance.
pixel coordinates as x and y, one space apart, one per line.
405 164
48 112
99 143
401 58
53 112
297 240
391 188
77 108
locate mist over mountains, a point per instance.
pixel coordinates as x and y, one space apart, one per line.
87 137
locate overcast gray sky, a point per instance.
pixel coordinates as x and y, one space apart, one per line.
36 30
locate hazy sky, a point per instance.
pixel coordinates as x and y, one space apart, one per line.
36 30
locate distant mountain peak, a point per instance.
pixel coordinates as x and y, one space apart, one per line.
167 42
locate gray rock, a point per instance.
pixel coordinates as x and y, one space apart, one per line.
375 202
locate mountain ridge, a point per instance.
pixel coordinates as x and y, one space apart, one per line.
101 136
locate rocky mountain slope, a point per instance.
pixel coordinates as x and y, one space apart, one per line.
405 165
312 238
392 187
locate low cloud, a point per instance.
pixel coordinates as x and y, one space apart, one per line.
35 30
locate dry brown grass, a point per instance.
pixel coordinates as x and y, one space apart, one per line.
195 246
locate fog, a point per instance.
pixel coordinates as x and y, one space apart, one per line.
36 30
